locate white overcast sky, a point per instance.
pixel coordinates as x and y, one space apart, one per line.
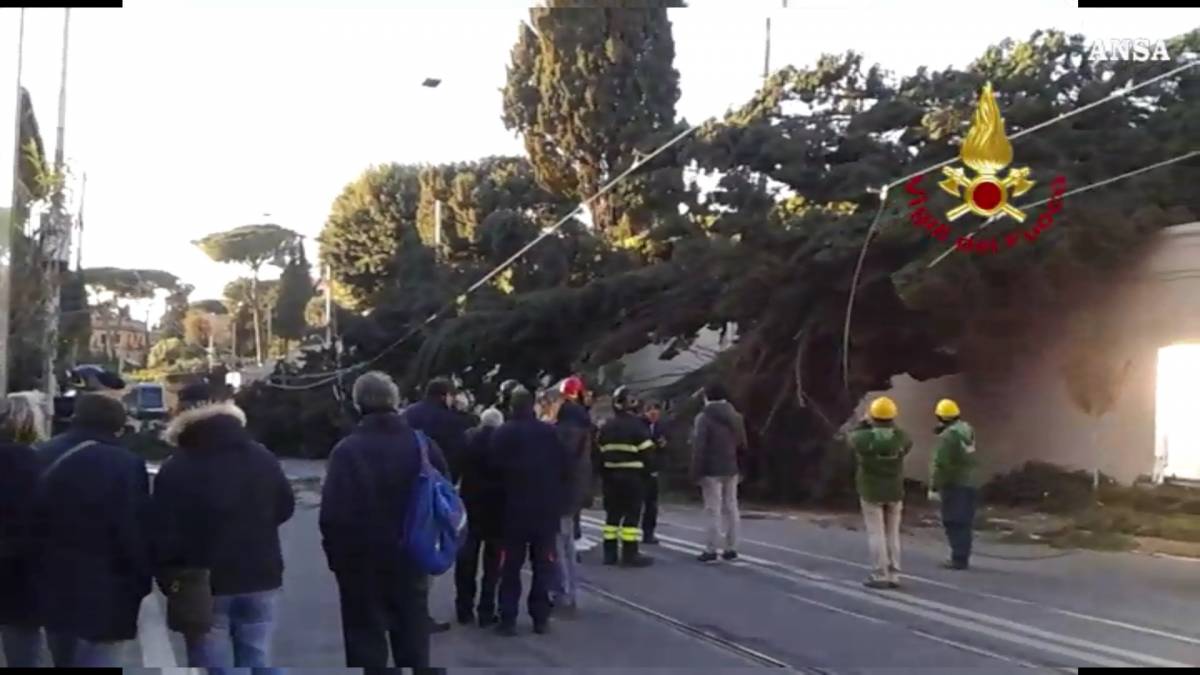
189 120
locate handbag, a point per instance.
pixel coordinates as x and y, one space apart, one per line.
189 600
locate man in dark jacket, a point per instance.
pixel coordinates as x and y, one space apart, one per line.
482 494
91 508
368 488
21 423
718 438
625 451
574 425
218 504
653 417
533 469
436 418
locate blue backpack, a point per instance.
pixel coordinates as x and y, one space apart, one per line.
436 519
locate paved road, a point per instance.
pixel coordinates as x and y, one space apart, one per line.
793 600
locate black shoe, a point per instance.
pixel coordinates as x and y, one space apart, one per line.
541 627
466 617
611 548
488 620
438 626
631 557
507 629
879 584
729 555
650 539
953 565
707 557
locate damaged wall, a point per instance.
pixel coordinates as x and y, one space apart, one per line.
1029 414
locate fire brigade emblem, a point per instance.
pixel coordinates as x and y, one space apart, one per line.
987 151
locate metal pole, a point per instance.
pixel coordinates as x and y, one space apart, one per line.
767 53
6 257
437 230
328 306
56 240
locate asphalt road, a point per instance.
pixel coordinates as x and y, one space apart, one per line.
794 601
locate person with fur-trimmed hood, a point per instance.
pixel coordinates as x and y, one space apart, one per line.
218 504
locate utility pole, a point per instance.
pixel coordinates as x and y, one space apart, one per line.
6 257
328 306
56 238
437 228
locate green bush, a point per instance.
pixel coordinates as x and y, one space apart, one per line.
1043 486
305 423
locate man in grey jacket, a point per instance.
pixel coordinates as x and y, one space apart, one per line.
717 439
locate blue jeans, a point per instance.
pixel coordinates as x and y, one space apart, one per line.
22 646
566 582
240 636
69 651
958 519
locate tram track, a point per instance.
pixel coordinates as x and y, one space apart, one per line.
745 652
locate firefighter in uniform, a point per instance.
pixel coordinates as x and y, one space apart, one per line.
625 449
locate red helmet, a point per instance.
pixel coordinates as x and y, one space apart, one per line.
571 387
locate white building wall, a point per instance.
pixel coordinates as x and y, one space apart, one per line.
1029 415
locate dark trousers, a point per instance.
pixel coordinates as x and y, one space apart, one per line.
379 608
540 551
624 494
958 518
650 514
466 572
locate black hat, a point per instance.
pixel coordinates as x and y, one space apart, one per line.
200 393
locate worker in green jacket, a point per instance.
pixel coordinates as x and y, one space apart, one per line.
879 448
953 481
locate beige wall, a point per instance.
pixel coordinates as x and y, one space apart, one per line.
1029 416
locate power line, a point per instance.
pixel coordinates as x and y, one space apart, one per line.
871 231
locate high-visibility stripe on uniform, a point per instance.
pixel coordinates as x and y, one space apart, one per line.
631 534
624 455
609 532
624 465
626 447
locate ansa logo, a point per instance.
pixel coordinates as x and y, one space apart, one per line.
987 152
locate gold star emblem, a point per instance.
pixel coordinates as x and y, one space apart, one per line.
987 151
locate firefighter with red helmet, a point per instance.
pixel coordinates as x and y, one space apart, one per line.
626 450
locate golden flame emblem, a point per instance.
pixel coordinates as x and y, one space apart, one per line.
987 151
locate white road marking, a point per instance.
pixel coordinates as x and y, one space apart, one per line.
839 610
862 566
1078 615
967 619
974 650
152 635
1127 626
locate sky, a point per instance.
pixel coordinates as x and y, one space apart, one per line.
190 118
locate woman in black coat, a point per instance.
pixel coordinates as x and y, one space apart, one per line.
22 423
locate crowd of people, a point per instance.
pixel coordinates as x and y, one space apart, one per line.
83 536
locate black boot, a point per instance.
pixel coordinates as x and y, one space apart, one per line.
631 557
610 552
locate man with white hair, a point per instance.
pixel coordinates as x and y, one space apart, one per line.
368 487
483 496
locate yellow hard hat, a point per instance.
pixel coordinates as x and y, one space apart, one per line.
946 408
883 408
